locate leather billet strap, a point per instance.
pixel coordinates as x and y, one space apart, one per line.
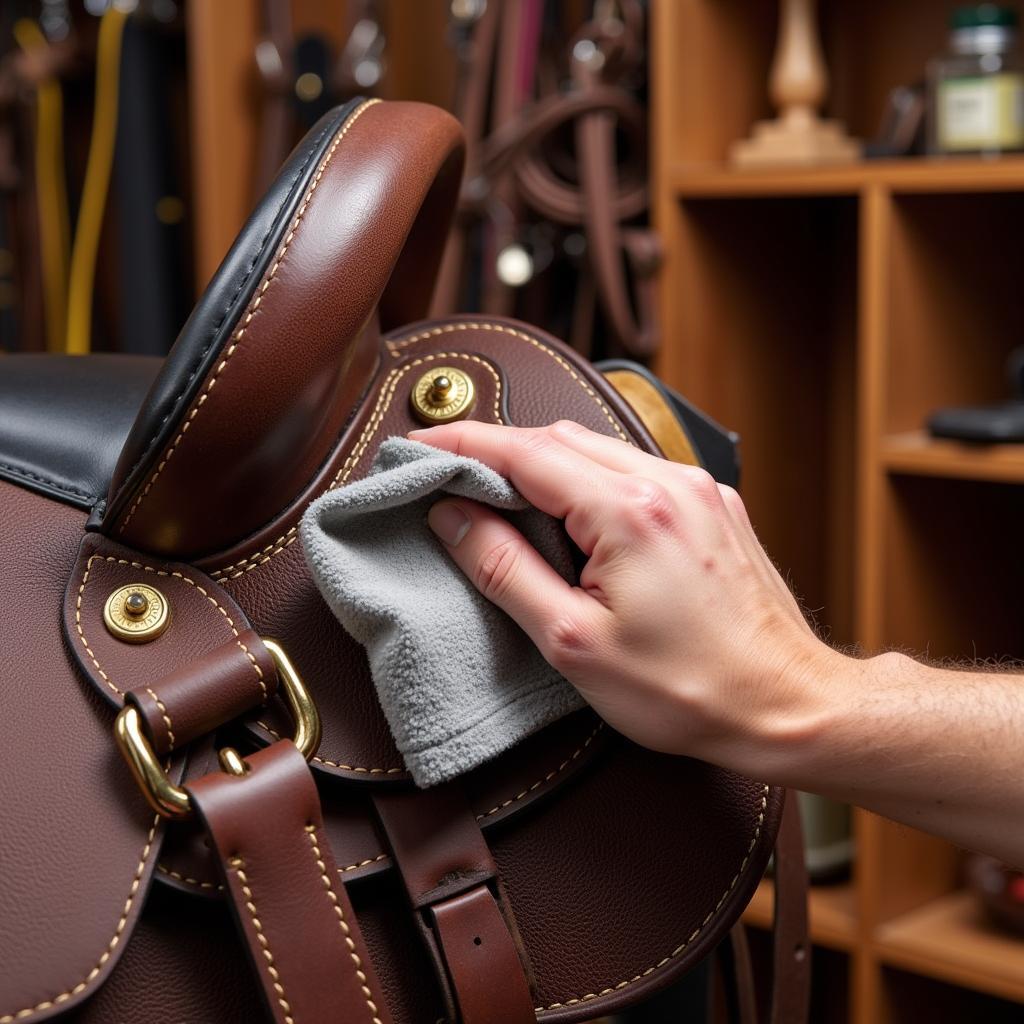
203 694
283 884
453 886
791 987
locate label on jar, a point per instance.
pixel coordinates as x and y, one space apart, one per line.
981 113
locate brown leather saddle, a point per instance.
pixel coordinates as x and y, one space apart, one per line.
150 573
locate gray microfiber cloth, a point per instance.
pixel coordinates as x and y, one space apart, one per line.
458 680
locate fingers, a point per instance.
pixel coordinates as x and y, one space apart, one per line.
550 476
508 570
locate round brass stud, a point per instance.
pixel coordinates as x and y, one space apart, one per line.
444 394
136 613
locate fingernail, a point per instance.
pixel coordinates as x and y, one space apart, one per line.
449 522
418 431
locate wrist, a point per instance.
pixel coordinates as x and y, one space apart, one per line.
809 688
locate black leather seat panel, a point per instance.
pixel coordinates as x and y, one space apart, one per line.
64 420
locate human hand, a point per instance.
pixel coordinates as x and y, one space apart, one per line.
681 633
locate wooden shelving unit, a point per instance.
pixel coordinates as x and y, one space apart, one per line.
824 313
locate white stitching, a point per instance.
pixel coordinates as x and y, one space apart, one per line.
166 717
157 572
384 400
343 925
46 1004
483 325
254 305
679 949
189 880
237 864
547 778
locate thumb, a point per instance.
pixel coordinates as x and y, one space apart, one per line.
503 566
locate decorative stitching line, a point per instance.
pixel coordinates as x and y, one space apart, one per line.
166 717
237 864
343 925
46 1004
254 305
547 778
157 572
189 880
482 325
679 949
384 400
212 336
337 764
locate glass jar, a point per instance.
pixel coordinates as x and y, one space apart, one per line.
976 90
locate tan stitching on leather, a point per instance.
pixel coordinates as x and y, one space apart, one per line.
198 882
163 714
286 539
384 400
157 572
47 1004
254 305
434 332
547 778
336 764
679 949
237 864
343 925
188 879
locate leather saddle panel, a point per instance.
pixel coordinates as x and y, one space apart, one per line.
77 844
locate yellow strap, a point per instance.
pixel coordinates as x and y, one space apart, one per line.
51 191
97 181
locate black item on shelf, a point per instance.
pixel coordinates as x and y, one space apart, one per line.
1000 423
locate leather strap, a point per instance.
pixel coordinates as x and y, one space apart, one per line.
206 692
791 986
452 883
283 884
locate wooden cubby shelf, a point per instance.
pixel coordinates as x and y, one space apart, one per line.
949 939
824 313
907 177
917 454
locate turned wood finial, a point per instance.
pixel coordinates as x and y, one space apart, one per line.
797 86
798 80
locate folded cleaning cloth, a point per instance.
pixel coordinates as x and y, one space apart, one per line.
458 680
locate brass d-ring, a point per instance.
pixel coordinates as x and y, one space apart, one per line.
172 801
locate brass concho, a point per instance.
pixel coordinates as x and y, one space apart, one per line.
136 613
442 395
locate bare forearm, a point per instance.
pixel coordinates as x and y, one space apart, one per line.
937 749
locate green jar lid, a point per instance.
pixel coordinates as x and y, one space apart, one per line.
979 15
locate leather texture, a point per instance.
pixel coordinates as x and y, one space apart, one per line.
299 336
454 888
78 844
206 692
603 869
298 923
65 421
203 616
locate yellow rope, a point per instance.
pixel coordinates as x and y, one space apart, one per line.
51 191
97 180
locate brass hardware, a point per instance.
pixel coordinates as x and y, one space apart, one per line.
232 762
136 613
442 395
172 801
